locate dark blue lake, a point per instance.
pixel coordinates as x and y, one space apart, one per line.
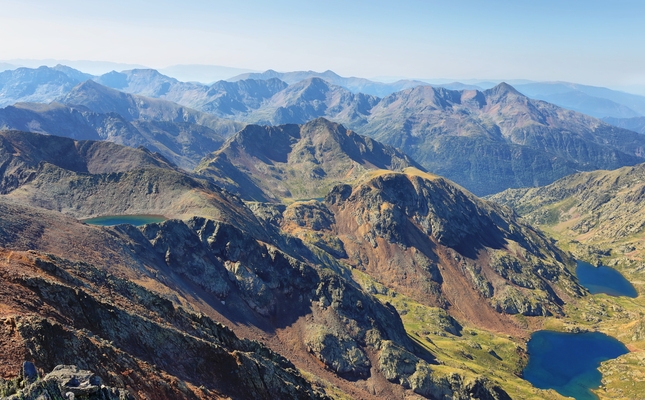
135 220
568 362
604 280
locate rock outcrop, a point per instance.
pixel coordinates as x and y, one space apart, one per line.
64 382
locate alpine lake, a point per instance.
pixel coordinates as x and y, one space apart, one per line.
568 362
136 220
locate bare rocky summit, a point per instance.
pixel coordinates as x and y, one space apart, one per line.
296 161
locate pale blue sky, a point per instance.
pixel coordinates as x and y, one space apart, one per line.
592 42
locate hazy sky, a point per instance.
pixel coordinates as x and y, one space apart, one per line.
590 41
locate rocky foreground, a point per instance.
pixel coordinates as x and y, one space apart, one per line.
64 382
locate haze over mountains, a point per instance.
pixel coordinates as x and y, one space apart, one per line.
486 141
595 101
92 111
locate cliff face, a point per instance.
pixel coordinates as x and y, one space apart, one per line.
65 381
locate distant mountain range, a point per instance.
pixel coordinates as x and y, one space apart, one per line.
486 141
496 139
313 98
95 112
595 101
636 124
41 85
355 85
92 67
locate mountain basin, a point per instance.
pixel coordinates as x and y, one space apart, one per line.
568 362
603 279
136 220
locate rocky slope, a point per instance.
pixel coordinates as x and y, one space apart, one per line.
65 381
87 178
57 311
140 311
443 258
23 154
429 239
600 208
296 161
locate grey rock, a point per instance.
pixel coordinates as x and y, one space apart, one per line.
66 382
403 367
341 354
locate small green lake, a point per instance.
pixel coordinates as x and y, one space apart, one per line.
136 220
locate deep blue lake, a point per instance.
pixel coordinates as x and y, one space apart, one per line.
568 362
136 220
604 280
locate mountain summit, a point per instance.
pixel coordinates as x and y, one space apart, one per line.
296 161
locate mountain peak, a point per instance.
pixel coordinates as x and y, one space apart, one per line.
306 160
91 84
503 89
88 93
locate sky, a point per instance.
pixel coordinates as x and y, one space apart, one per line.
590 42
